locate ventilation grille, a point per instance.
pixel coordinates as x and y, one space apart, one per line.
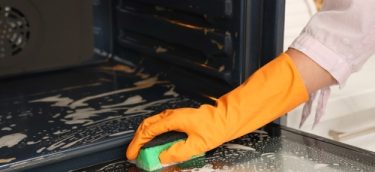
14 31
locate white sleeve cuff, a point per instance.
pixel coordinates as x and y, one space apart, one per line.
325 57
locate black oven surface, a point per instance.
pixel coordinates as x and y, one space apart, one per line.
274 149
83 118
59 115
177 54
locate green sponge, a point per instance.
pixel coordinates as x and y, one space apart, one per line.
148 157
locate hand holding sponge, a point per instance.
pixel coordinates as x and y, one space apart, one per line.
270 92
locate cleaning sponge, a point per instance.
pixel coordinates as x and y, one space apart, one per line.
148 158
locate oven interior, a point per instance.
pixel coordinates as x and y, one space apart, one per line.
77 77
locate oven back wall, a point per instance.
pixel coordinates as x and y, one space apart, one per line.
217 43
190 40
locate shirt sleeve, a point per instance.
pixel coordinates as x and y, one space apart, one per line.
340 37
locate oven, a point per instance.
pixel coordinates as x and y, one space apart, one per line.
78 77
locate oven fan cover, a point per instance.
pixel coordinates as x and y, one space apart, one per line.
44 35
14 31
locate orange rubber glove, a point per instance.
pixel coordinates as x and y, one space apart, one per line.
269 93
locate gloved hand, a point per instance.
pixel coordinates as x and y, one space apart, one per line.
269 93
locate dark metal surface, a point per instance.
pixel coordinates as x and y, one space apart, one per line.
103 28
61 115
275 149
80 117
222 39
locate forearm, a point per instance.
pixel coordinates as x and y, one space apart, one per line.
340 38
313 75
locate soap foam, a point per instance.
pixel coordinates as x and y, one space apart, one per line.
11 140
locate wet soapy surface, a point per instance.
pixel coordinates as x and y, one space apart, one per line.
78 108
40 119
259 152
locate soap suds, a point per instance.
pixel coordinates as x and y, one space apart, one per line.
58 100
81 116
62 143
260 132
104 120
121 133
77 121
26 114
110 166
207 168
268 155
130 101
137 106
60 132
2 161
40 150
56 145
6 129
71 143
319 166
142 108
238 147
32 142
11 140
56 115
171 92
138 86
160 49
